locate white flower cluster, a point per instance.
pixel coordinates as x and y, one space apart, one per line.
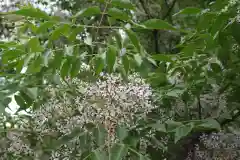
109 101
217 146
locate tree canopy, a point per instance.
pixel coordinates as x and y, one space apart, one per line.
119 79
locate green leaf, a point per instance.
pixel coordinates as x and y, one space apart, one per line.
67 138
159 127
118 38
235 31
126 4
65 69
111 57
100 134
20 102
35 66
33 28
205 20
189 11
216 67
171 125
2 107
56 79
175 92
121 132
133 37
138 59
99 65
6 101
43 28
118 151
118 14
182 131
33 13
88 12
33 45
157 24
9 55
126 63
75 31
219 22
60 31
210 124
163 57
6 45
26 97
99 155
32 92
75 68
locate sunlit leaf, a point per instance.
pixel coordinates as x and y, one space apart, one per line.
133 37
88 12
138 59
189 11
43 28
36 65
34 45
175 92
123 4
32 12
118 14
157 24
32 92
11 55
60 31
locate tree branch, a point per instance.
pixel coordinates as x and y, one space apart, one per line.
155 32
199 108
145 9
169 10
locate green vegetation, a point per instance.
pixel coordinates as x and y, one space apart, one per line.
119 79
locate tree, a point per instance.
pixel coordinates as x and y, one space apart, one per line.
193 92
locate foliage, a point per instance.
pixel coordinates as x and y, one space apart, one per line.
183 95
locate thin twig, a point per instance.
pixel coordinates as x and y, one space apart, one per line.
103 13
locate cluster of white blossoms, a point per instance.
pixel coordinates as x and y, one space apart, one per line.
218 146
108 101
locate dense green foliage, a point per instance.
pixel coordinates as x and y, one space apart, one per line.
187 51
